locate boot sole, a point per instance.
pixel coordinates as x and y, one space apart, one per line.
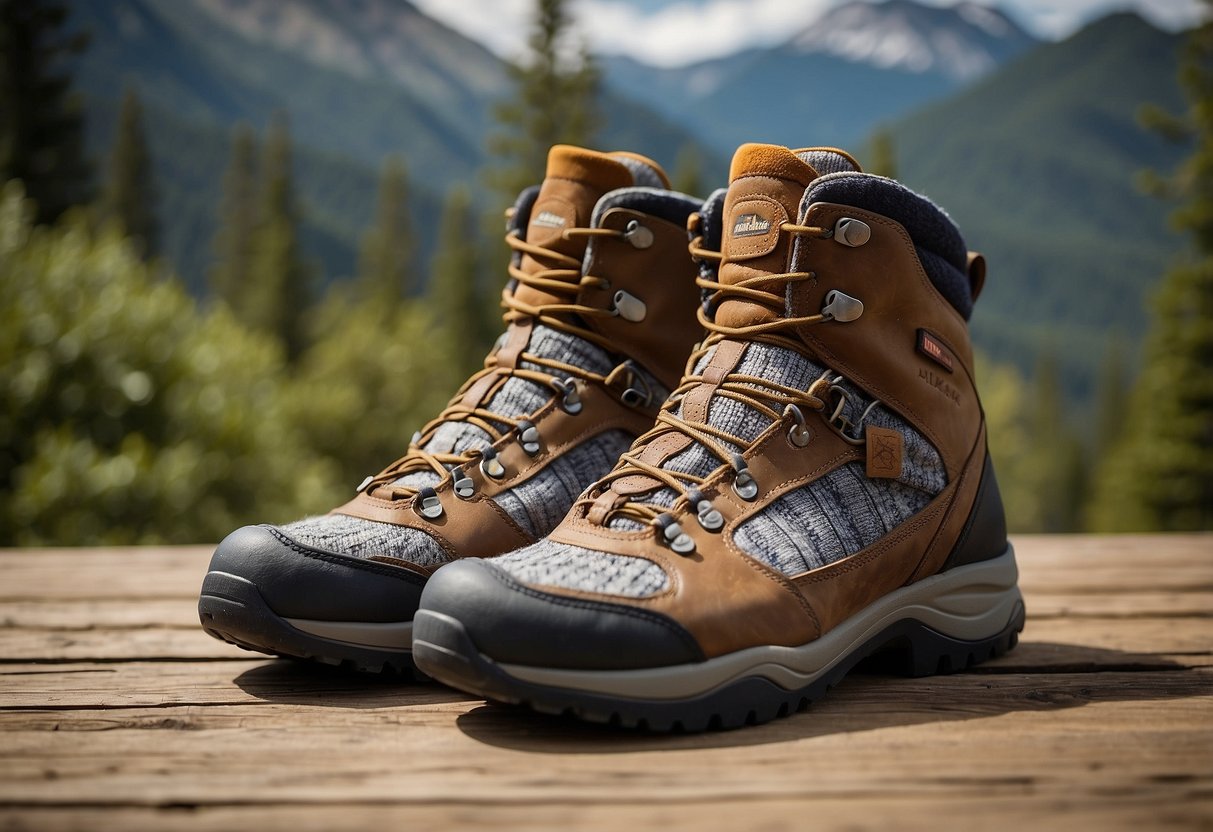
941 624
232 609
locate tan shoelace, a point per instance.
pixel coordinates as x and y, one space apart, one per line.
775 401
563 278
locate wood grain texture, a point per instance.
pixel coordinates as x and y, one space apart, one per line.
116 711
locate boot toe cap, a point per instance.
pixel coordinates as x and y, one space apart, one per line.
514 623
298 581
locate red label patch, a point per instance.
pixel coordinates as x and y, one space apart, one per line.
933 348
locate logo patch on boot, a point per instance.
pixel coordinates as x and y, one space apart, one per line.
751 225
546 219
933 348
885 451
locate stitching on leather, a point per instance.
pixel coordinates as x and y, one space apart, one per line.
342 560
593 606
881 546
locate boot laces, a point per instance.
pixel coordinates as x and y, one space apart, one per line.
774 400
562 277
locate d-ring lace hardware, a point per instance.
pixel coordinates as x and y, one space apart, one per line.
490 465
463 485
636 390
799 433
427 503
705 512
571 399
528 437
673 535
852 432
744 483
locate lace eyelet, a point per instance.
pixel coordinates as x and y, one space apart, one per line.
709 518
427 503
571 401
798 434
673 535
528 437
463 485
490 465
638 235
744 484
629 307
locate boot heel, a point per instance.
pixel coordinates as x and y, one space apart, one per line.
921 651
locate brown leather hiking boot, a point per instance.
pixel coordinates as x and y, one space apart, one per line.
816 490
601 318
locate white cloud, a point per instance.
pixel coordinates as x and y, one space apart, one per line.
673 32
684 32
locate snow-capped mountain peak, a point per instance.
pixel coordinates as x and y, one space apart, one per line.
960 42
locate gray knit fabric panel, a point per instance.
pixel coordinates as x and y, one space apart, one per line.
548 563
366 538
537 505
818 524
541 502
836 515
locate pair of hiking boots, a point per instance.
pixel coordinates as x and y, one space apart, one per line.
629 519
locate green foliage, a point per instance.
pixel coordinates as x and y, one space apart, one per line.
277 295
233 245
387 268
369 381
1161 474
126 414
554 103
129 198
41 126
455 296
1039 461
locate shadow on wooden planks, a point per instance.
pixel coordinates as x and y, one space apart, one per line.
1047 677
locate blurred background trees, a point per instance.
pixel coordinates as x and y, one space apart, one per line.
234 317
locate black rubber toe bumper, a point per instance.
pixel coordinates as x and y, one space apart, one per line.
260 580
517 624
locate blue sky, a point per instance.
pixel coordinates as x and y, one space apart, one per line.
680 31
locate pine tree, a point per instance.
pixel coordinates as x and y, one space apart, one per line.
882 154
230 276
1161 475
1057 466
555 102
41 124
129 198
454 296
278 293
386 268
1112 397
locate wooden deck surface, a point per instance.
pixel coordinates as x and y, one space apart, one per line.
118 712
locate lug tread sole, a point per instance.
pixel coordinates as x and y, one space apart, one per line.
446 652
233 611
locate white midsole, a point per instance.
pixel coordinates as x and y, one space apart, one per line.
970 603
392 635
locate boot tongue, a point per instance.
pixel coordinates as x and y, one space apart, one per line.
576 179
766 185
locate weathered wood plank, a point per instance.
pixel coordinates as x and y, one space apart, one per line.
1164 807
1050 564
100 613
1107 734
1082 643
